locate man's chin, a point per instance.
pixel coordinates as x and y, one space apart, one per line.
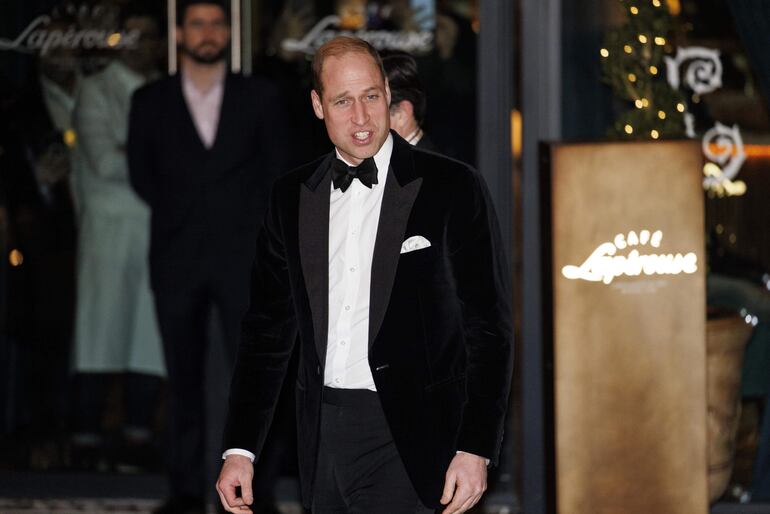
207 58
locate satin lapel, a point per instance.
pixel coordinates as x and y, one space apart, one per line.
314 250
397 204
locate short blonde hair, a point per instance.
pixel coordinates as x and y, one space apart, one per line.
337 47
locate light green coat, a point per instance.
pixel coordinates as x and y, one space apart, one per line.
115 323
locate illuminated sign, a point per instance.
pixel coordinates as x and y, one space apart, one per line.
410 41
37 38
605 265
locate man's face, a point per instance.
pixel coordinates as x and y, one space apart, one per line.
354 105
204 33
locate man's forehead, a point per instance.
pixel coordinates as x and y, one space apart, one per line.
336 70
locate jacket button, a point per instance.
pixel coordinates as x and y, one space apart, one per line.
318 370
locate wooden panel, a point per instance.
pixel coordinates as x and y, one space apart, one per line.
629 350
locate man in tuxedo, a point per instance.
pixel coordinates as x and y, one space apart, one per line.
203 147
385 262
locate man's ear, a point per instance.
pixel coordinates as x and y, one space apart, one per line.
407 107
318 107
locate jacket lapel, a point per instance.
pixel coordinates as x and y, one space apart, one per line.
401 189
314 249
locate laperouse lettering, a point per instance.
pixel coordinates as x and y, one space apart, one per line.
604 265
379 39
37 38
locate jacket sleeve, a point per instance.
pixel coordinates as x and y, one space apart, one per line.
482 279
268 335
140 148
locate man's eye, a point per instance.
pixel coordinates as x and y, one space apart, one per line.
373 97
342 101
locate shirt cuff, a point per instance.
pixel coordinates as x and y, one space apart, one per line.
469 453
239 451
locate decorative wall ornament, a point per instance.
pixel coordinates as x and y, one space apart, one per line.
702 69
723 146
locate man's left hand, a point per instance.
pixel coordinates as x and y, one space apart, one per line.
466 481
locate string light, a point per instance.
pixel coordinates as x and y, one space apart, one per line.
661 115
696 98
642 38
645 102
680 107
638 103
629 129
628 49
656 3
654 134
634 10
654 70
631 77
16 258
604 52
113 39
660 41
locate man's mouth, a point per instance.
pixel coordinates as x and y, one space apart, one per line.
363 135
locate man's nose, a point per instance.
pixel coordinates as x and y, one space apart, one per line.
360 114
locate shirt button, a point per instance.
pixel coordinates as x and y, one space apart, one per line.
336 380
347 307
352 269
342 343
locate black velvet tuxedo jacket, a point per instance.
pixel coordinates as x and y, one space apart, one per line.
206 203
440 317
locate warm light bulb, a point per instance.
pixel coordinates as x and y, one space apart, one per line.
629 129
661 115
654 70
656 3
660 41
113 39
604 52
631 77
16 258
628 49
642 38
634 10
654 134
680 107
638 103
645 102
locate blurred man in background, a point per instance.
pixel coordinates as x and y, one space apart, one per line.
203 147
407 104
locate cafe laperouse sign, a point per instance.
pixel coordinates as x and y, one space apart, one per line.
627 326
41 36
642 257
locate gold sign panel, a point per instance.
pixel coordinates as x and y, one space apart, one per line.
629 316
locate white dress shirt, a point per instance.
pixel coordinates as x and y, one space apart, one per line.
353 220
205 106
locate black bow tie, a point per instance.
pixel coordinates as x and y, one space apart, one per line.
343 175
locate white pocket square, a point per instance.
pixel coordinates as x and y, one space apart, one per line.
414 243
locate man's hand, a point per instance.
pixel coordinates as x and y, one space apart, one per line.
466 481
237 471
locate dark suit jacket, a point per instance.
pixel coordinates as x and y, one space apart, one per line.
440 317
206 204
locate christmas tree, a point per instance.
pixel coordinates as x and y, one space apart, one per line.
633 65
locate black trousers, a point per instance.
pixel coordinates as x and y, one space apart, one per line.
199 361
359 470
